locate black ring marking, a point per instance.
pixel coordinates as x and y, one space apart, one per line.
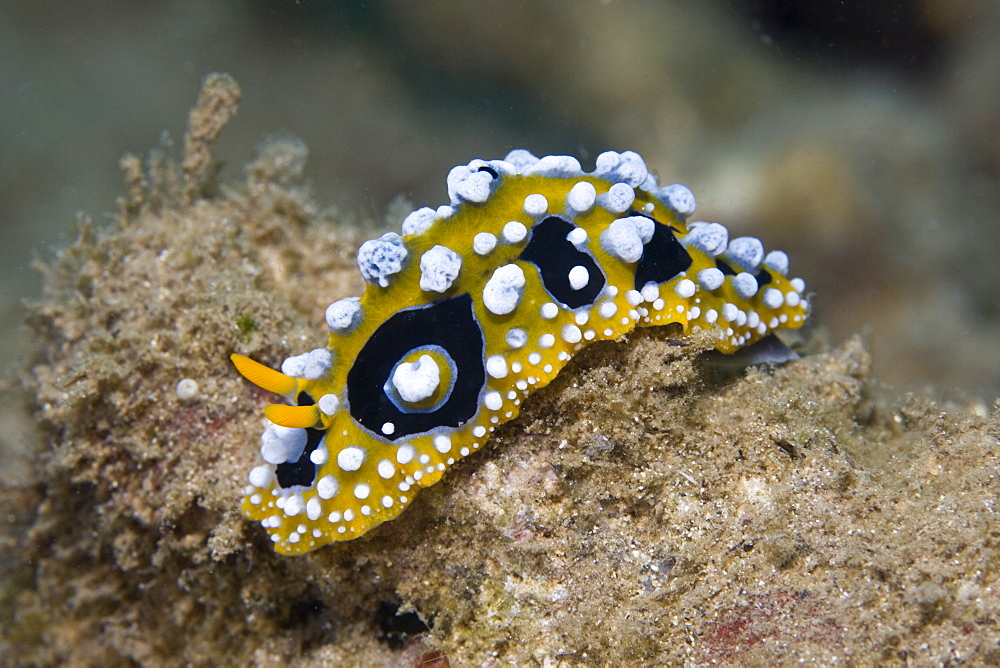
303 471
554 255
450 324
663 258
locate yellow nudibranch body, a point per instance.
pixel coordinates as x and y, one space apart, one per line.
476 305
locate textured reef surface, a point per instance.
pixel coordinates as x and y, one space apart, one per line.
646 506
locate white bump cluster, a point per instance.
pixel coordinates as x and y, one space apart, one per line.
282 444
514 232
516 337
577 236
351 458
417 381
310 365
473 183
578 277
581 197
711 279
328 404
746 252
678 198
502 293
327 487
521 159
380 258
439 268
709 238
405 453
624 238
496 366
745 285
261 476
778 261
773 298
627 168
343 315
571 334
535 205
484 243
466 184
555 166
618 199
685 288
320 454
442 443
419 221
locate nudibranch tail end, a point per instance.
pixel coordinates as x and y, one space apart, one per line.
476 305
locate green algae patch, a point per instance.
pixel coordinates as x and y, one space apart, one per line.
642 509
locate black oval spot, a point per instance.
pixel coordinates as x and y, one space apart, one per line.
450 324
763 278
663 258
303 471
725 268
554 255
489 170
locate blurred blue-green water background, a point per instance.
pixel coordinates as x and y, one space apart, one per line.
862 138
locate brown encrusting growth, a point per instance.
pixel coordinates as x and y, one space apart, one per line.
643 509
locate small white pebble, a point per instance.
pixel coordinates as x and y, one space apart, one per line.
187 389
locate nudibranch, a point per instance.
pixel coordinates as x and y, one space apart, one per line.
477 304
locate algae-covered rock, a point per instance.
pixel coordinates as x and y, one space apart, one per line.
645 508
